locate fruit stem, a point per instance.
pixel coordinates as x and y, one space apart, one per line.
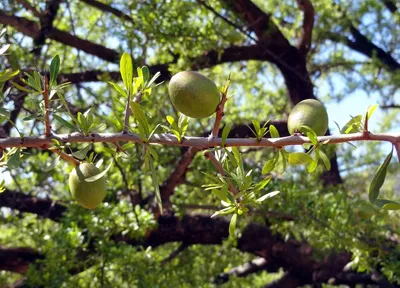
71 160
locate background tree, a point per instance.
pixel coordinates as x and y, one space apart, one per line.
319 229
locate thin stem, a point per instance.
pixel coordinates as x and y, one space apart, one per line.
127 114
220 112
197 142
71 160
221 171
46 107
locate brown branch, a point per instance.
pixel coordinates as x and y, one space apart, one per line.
175 253
253 266
46 107
304 43
221 171
17 259
26 203
288 280
31 29
46 24
365 46
220 112
71 160
29 7
107 8
390 5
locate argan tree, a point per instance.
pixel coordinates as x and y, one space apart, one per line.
106 184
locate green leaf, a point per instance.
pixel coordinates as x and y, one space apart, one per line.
325 159
257 127
273 131
14 161
313 165
387 204
231 158
225 211
64 122
299 158
126 69
232 225
156 185
53 164
267 196
353 126
222 194
101 174
81 154
120 91
371 110
270 164
7 75
54 69
379 178
146 75
225 133
310 133
4 49
141 118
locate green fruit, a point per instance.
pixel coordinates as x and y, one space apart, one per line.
193 94
87 194
311 113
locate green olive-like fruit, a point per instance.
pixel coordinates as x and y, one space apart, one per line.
311 113
87 194
193 94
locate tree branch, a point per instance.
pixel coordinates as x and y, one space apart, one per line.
107 8
29 7
31 29
253 266
364 46
197 142
304 42
46 24
17 259
390 5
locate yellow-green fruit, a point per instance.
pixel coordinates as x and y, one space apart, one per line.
193 94
87 194
311 113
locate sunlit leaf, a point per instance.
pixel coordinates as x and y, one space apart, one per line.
379 178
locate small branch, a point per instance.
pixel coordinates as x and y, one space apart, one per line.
304 42
221 171
127 114
253 266
71 160
220 112
397 146
29 7
46 107
175 253
389 106
128 111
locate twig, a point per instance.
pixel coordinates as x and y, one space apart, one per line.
71 160
397 146
29 7
175 253
127 114
221 171
128 111
220 112
198 142
46 107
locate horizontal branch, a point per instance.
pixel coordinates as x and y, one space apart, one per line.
197 142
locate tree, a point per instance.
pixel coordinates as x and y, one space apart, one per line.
320 228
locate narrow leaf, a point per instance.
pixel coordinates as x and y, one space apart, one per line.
101 174
267 196
273 131
64 122
299 158
325 159
225 133
53 164
232 225
387 204
379 178
54 69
